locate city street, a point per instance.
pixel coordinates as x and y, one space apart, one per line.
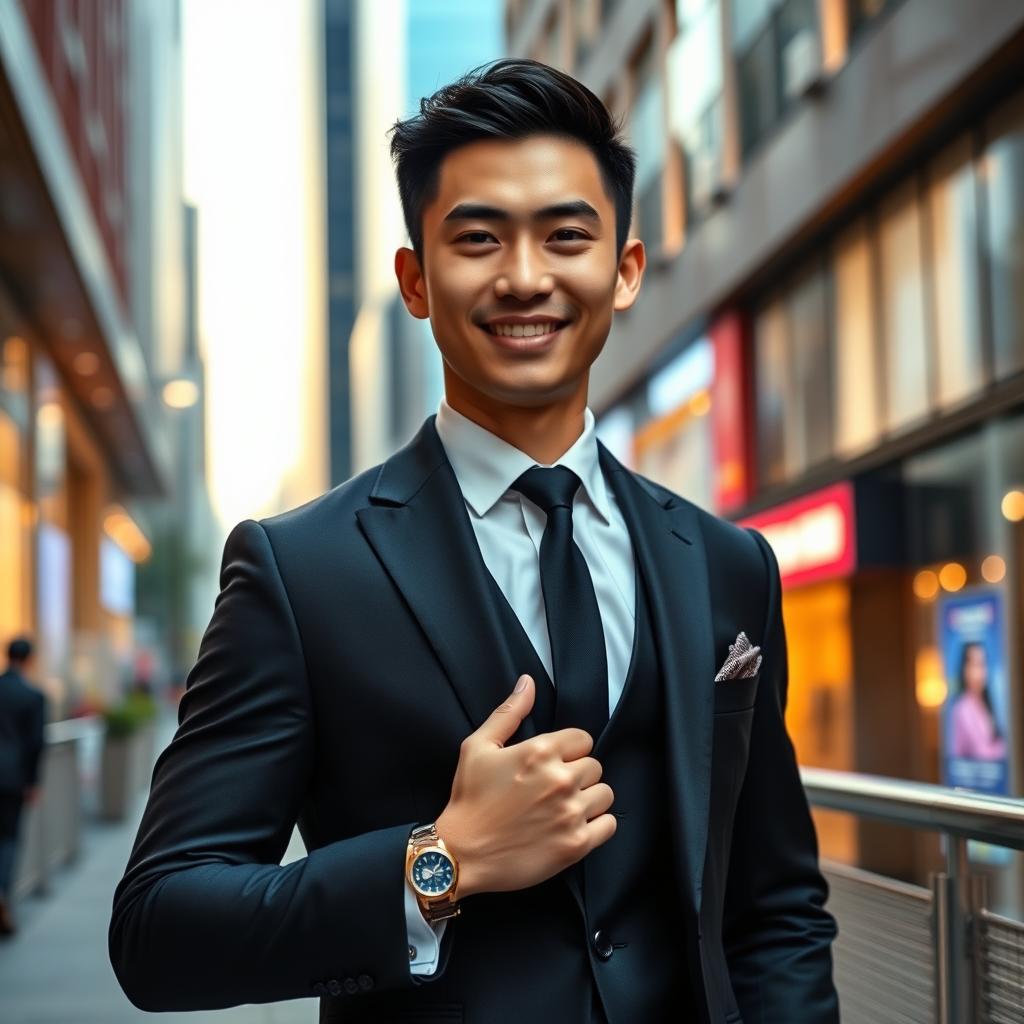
56 968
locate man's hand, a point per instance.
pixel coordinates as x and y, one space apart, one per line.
518 815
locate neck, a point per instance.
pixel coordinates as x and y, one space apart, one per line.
545 431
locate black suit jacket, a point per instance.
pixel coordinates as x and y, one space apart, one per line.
351 650
22 721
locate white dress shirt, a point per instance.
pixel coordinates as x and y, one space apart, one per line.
509 528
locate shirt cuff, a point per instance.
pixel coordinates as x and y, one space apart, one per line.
424 938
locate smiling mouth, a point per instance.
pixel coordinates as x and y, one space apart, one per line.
524 334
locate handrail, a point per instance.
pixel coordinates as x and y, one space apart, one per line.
992 819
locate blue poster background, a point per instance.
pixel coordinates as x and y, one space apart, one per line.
975 616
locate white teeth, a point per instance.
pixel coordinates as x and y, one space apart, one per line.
522 330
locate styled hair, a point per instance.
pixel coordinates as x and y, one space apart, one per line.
509 98
19 649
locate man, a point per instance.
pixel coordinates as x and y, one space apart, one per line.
481 675
22 718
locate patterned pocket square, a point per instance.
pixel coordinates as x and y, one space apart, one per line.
743 660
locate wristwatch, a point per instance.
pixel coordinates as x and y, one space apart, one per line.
433 873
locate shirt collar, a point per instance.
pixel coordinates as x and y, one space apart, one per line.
486 466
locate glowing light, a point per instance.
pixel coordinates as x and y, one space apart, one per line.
926 585
952 576
993 569
1013 506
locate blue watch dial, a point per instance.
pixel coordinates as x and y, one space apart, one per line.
432 873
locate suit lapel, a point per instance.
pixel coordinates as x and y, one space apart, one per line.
419 527
670 551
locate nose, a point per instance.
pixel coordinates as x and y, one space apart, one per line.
525 273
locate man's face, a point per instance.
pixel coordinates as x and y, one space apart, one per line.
491 254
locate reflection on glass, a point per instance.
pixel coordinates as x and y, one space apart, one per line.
904 330
954 255
772 377
854 381
1003 175
811 397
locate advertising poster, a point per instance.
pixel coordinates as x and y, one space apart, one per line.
975 744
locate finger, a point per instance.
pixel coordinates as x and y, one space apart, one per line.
597 799
501 724
600 830
588 771
572 743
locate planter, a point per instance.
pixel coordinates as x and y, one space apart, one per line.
125 770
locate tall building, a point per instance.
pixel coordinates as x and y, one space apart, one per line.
92 325
829 345
395 368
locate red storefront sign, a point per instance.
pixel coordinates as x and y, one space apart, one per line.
814 537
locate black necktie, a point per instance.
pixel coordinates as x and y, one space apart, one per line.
570 604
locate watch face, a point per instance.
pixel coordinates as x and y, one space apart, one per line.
432 873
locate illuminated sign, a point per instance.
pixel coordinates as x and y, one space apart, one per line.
814 536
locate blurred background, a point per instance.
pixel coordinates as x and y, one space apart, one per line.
199 323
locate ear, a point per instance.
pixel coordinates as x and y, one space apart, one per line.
631 272
411 283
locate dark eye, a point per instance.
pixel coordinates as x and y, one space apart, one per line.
571 231
471 234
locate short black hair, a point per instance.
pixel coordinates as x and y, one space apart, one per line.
508 98
19 649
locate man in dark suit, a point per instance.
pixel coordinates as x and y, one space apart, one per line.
481 676
22 718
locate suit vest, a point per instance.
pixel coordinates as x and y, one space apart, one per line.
633 942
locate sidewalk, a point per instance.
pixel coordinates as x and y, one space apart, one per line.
56 969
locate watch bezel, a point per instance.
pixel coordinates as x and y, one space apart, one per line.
434 848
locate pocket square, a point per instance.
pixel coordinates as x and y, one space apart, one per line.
742 661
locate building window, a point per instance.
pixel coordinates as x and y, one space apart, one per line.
809 341
956 285
904 330
647 132
1003 176
776 456
853 325
777 49
587 20
694 73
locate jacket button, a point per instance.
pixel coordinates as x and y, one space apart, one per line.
602 945
365 982
334 987
351 987
320 988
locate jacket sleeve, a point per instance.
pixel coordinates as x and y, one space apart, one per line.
205 916
35 732
776 931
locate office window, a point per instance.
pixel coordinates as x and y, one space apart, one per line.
856 366
1003 176
904 329
860 14
776 439
694 70
777 48
811 397
647 130
586 27
956 285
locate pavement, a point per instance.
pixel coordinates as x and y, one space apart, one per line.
55 970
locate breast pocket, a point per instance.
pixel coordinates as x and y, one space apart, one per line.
732 695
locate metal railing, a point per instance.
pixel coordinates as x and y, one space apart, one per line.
914 954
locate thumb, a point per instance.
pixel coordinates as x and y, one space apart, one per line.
502 723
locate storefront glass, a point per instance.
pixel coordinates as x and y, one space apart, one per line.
855 360
15 489
1003 175
956 285
904 323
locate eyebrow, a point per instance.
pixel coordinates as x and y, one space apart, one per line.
481 211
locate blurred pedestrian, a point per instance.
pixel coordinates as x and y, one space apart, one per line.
22 716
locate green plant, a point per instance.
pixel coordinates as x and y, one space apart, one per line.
133 712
